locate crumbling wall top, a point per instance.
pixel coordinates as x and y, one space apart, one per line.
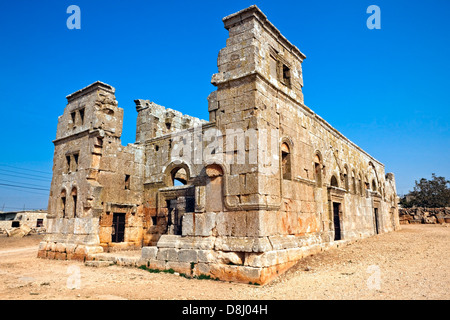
94 86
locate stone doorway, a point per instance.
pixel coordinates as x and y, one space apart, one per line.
173 218
375 214
118 227
337 221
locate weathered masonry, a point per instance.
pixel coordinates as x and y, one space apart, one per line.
240 197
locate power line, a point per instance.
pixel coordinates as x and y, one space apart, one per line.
20 208
26 174
12 188
10 185
38 171
29 184
29 178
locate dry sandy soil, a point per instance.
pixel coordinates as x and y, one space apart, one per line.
412 263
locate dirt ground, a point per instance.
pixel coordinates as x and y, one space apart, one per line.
412 263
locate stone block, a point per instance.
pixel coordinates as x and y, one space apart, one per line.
98 264
206 256
70 248
201 243
230 258
60 256
201 269
187 255
60 247
169 241
248 274
149 253
241 244
42 254
198 224
181 267
261 245
42 246
156 264
167 254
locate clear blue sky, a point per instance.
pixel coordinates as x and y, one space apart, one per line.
386 90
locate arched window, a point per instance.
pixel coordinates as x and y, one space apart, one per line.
286 161
346 183
62 203
318 170
374 185
334 181
354 183
360 185
179 177
74 198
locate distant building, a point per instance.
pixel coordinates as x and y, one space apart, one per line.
15 219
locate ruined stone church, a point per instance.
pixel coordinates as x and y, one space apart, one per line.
241 197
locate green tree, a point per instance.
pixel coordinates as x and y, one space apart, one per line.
434 193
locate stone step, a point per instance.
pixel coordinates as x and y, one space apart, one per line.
119 258
98 263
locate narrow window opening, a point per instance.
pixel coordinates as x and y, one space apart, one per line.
39 223
127 182
75 158
68 164
74 201
286 76
286 161
318 170
63 205
82 116
74 206
73 117
346 181
360 186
